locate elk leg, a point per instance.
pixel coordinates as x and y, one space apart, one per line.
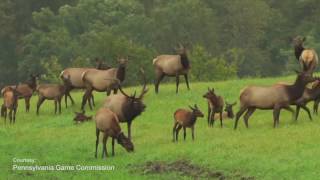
104 148
112 146
157 82
5 112
174 130
115 91
187 81
59 103
315 106
177 132
97 142
129 130
108 92
14 115
177 83
297 112
40 101
238 115
27 103
221 119
55 106
276 114
209 114
85 97
307 110
212 117
184 133
247 116
10 116
192 131
92 99
288 108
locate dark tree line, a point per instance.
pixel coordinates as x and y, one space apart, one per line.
226 39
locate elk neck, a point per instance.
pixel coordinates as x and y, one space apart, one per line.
230 114
121 72
298 49
184 60
296 90
193 118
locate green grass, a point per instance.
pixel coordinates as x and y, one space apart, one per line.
291 151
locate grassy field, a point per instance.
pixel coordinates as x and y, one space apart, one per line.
291 151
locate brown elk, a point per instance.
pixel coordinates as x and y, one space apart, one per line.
127 107
215 105
75 75
26 89
103 80
107 122
81 117
309 94
308 58
276 97
228 112
172 66
10 101
52 92
184 118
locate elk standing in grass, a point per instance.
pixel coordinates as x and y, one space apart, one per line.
127 107
103 80
228 112
10 101
108 123
308 58
215 105
184 118
172 66
276 97
52 92
75 75
26 89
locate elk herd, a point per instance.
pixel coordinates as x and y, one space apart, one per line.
123 108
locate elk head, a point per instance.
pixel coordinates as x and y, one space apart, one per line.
196 111
210 94
125 142
81 117
298 41
134 105
32 81
229 109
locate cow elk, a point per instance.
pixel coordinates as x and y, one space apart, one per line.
10 101
184 118
308 58
215 105
107 122
276 97
127 107
228 112
27 89
75 75
172 66
103 80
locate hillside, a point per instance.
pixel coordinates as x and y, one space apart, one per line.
261 152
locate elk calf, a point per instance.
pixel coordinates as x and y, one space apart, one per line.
228 112
108 123
10 101
185 119
215 105
81 117
50 92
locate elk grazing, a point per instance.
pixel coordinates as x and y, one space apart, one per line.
228 112
276 97
184 118
309 94
172 66
103 80
127 107
308 58
52 92
215 105
76 79
81 117
26 89
108 123
10 101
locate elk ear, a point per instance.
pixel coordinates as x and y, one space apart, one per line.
195 106
191 107
212 89
234 103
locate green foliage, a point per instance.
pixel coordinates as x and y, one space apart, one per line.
53 69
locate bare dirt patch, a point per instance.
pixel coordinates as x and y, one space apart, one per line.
184 168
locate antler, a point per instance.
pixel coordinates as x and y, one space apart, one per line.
144 87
